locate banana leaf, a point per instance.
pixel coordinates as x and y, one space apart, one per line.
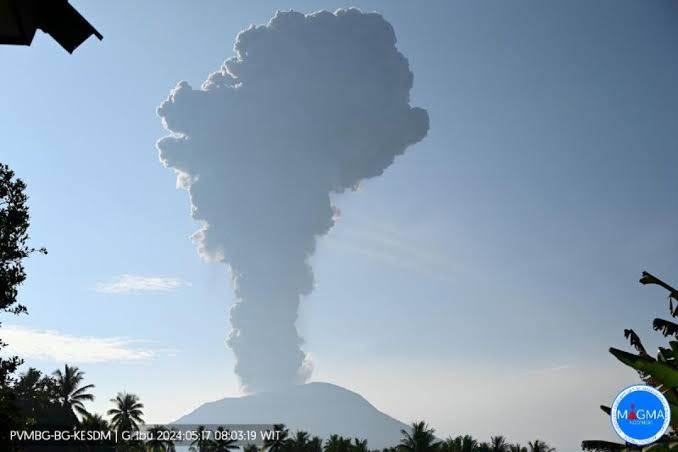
664 373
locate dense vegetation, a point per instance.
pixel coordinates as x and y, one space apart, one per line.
14 222
58 399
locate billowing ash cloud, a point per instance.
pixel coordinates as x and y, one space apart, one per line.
309 105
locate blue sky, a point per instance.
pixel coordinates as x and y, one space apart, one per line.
490 267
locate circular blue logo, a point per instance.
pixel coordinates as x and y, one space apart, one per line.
640 415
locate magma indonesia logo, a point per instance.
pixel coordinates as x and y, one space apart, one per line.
640 415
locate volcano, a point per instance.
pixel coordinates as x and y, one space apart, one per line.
321 409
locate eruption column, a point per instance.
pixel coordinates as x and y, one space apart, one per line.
309 105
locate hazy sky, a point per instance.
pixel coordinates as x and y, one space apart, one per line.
477 285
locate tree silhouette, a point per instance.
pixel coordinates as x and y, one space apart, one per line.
126 415
303 442
221 441
483 447
337 443
201 443
32 386
465 443
35 397
158 443
498 444
68 390
14 222
539 446
420 439
359 445
299 442
96 423
277 442
315 444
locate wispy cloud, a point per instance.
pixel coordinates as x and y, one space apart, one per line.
554 368
395 246
132 283
55 346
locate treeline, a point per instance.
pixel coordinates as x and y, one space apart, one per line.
43 402
38 402
418 438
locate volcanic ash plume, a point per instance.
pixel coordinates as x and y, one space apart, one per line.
309 105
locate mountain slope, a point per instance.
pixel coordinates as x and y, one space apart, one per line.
318 408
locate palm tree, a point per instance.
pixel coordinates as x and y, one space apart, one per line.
298 443
28 383
315 444
498 444
201 443
539 446
222 441
68 390
94 423
276 443
359 446
420 439
460 443
337 443
159 441
484 447
517 448
126 416
251 448
37 393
